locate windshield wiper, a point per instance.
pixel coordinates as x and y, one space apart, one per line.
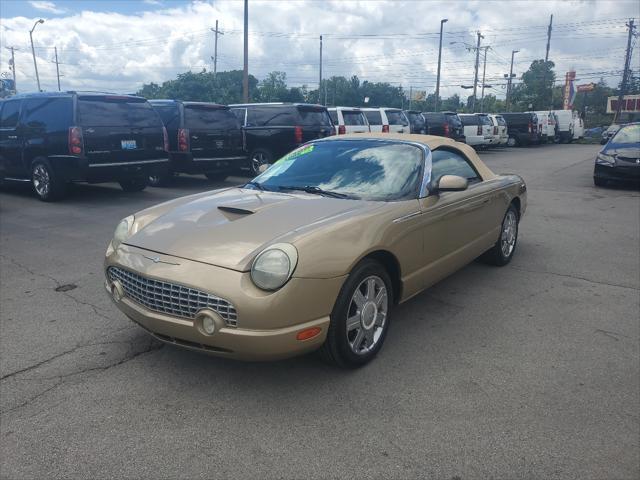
315 190
255 184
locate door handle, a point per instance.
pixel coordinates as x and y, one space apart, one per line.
12 137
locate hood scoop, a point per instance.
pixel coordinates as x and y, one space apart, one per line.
236 210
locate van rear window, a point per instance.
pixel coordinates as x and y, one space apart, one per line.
373 117
209 118
469 120
353 118
98 111
395 117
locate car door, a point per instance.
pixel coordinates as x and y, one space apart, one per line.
458 226
10 140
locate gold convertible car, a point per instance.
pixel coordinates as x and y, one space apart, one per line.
316 251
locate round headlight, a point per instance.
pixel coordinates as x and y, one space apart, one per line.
123 230
273 267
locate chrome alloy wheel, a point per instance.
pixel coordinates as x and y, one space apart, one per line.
257 159
41 180
367 315
509 233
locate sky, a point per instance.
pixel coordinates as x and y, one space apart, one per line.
118 45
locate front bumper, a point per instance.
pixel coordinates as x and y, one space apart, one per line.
627 172
267 322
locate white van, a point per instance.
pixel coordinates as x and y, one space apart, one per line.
474 131
546 125
387 120
564 125
578 126
348 120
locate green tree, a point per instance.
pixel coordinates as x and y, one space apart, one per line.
535 90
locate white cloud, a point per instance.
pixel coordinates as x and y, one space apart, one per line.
117 52
152 2
46 6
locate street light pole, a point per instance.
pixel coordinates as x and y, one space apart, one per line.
442 22
245 73
33 52
320 79
513 52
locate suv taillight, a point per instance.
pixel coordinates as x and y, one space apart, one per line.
342 130
446 129
495 130
165 138
297 134
76 145
479 130
530 127
385 128
183 139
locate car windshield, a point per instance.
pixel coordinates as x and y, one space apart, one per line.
628 134
363 169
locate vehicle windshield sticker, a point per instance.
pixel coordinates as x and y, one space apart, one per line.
296 153
285 162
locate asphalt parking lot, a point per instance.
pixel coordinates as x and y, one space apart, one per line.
527 371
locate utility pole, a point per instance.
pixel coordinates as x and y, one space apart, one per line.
546 57
55 49
435 106
320 80
625 74
410 96
215 48
475 79
484 71
245 73
513 52
13 67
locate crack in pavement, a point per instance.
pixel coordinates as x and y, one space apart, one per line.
577 277
153 346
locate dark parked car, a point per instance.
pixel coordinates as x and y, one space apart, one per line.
416 121
619 159
444 124
274 129
203 138
52 139
522 128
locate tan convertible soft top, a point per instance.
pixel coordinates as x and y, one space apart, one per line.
432 142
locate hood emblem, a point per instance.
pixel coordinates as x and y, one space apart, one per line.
157 260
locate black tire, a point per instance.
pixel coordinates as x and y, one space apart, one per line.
259 156
47 185
599 182
134 184
160 180
496 255
217 176
512 142
336 349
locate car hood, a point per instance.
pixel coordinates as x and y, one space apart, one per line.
228 228
630 151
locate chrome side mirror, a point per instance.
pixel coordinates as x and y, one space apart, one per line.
451 183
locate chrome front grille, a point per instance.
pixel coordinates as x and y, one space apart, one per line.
170 298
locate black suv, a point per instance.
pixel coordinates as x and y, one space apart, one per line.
444 124
203 138
522 128
274 129
416 121
52 139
